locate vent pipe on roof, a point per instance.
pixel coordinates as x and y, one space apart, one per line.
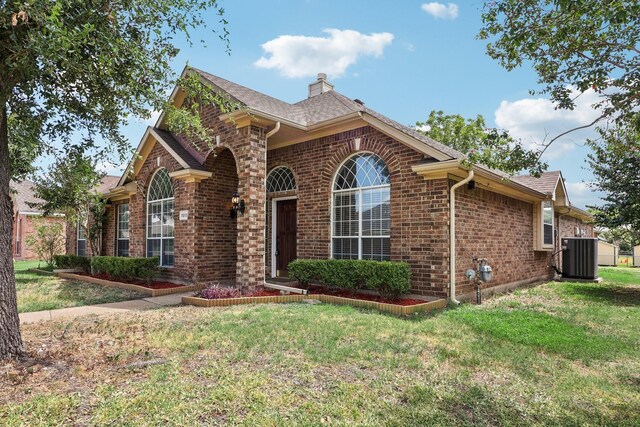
320 86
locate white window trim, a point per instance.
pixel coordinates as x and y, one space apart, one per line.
274 222
118 238
359 189
146 223
542 224
78 239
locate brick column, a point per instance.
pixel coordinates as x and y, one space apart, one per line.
251 159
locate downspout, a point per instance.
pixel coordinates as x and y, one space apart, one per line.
452 237
269 134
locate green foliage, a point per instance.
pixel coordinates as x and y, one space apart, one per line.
71 186
615 162
72 261
125 267
389 278
491 147
48 240
186 119
82 67
572 45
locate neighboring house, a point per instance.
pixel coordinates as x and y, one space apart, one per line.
328 177
25 217
636 256
77 242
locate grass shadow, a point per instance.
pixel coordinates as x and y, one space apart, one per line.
604 294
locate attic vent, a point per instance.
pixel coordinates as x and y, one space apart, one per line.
320 86
358 101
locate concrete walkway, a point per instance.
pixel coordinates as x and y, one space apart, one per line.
113 307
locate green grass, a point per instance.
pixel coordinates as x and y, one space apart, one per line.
38 292
562 354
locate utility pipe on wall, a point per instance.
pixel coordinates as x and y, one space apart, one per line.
269 134
452 237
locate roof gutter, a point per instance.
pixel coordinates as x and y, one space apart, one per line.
452 236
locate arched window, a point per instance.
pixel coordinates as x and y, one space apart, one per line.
280 179
160 218
361 220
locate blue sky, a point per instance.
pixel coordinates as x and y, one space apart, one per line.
402 58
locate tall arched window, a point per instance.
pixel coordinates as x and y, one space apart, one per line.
160 218
361 220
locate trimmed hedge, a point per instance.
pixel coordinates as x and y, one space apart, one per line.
72 261
389 278
125 267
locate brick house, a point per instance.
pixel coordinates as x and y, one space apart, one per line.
76 242
25 219
328 177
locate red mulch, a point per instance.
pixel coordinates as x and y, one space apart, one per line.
264 293
367 297
152 285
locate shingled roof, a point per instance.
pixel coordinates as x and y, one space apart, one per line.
24 196
332 105
545 184
317 109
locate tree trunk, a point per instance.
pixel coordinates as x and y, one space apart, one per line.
10 339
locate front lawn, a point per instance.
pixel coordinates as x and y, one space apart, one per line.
557 354
38 292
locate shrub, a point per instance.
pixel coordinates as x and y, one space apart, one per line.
48 240
125 267
305 270
72 261
219 292
389 278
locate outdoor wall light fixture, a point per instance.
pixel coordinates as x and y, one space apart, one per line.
237 205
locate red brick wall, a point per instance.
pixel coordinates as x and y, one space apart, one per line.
209 246
418 207
216 250
26 229
500 229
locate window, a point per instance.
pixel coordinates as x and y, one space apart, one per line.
280 179
82 239
122 233
361 220
547 223
160 218
18 236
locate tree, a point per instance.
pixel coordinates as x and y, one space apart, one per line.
572 45
72 72
615 163
488 146
48 240
71 186
622 236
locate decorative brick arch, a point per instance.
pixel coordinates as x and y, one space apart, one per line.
367 144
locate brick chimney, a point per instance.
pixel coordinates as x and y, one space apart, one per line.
320 86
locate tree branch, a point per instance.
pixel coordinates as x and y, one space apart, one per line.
568 132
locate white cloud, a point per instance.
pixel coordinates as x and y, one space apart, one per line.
536 121
440 10
305 56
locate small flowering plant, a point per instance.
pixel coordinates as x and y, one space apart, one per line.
219 292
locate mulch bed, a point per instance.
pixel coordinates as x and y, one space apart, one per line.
317 290
152 285
367 297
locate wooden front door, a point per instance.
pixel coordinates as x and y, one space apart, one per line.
286 235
